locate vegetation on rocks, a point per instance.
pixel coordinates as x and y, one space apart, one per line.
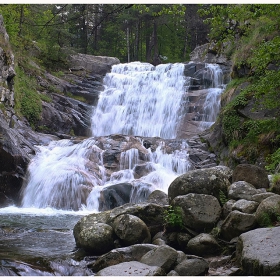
250 35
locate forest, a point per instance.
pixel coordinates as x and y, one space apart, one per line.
154 33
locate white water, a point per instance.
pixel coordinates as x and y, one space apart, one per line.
139 99
212 101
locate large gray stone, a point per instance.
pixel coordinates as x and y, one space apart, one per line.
96 239
252 174
131 230
163 256
203 245
241 190
96 64
199 211
192 267
119 255
245 206
258 252
237 223
208 181
132 268
268 211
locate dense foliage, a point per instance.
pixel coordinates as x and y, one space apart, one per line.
154 33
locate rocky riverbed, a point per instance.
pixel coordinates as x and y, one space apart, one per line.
227 224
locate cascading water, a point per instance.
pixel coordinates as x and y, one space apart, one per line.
139 99
212 100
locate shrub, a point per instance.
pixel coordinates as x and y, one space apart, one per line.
173 217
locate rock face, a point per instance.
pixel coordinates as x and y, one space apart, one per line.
96 64
258 252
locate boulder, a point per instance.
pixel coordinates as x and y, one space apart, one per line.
151 214
93 64
158 197
132 268
162 256
241 190
237 223
183 239
259 197
200 211
208 181
268 212
172 273
131 230
192 267
119 255
227 207
258 252
252 174
143 169
114 196
203 245
96 239
245 206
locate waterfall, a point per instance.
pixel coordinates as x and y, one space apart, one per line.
140 100
212 101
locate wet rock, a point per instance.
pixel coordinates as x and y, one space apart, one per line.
96 239
208 181
162 256
258 252
132 268
192 267
245 206
119 255
252 174
268 212
144 169
114 196
158 197
200 211
241 190
203 245
237 223
131 230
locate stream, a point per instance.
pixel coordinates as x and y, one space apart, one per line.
65 178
